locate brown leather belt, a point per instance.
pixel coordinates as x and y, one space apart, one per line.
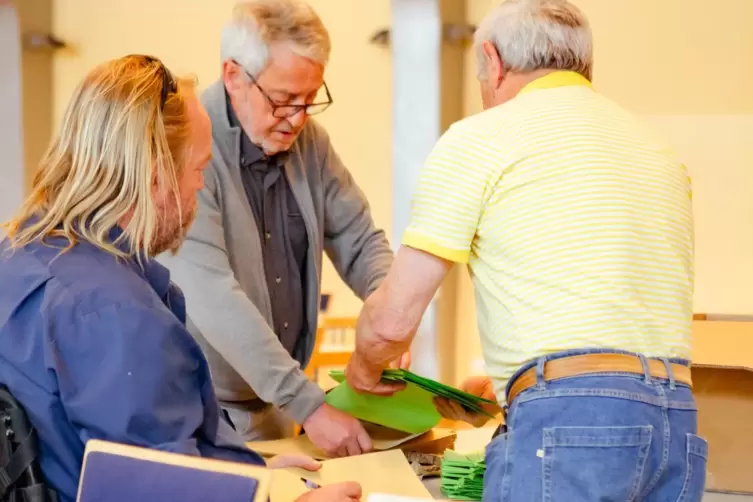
597 363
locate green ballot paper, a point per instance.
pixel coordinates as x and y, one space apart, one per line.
410 410
463 475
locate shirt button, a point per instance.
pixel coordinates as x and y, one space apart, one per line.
278 280
268 236
285 325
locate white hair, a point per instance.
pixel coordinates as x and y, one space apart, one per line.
257 25
533 35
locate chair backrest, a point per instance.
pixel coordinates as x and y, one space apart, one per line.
21 480
335 339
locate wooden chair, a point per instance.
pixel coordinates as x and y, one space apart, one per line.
327 357
326 352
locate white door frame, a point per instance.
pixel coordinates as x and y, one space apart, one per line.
415 40
11 124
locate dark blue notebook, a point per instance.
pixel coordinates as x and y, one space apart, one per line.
115 478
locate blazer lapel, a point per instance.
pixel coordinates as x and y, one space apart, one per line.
302 193
252 235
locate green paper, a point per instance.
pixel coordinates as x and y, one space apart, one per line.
463 475
434 386
410 410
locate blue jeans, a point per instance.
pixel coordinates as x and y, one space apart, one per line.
603 437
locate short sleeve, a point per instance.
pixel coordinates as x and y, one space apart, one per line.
453 188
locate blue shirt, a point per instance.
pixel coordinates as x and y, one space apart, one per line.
95 347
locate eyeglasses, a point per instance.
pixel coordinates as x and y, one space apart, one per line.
284 111
169 86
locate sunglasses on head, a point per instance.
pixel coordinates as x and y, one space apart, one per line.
169 85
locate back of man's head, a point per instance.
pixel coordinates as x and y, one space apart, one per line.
124 132
532 35
257 25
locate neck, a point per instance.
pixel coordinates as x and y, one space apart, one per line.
125 220
514 82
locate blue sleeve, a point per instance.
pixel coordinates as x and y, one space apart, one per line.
228 445
133 374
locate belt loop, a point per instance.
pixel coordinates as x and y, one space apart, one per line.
540 380
646 369
500 430
670 373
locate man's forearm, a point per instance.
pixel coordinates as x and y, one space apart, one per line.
384 333
241 336
391 315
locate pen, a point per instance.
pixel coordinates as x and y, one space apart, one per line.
310 484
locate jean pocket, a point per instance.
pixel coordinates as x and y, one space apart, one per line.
594 463
695 469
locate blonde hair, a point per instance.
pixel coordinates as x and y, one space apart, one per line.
533 35
257 25
125 129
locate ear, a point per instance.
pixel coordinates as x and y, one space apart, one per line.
495 68
230 74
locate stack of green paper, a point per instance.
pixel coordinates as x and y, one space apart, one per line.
411 410
469 401
463 475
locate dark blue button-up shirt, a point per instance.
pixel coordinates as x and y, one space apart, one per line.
95 347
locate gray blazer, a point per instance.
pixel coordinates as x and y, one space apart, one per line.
220 269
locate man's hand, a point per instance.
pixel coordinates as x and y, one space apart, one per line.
303 461
340 492
337 433
403 363
366 378
478 386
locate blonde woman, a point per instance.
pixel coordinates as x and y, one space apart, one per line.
92 331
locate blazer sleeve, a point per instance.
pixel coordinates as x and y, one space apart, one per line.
229 320
358 249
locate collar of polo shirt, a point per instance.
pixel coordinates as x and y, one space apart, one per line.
556 79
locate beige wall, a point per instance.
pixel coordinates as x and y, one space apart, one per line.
686 65
664 57
186 33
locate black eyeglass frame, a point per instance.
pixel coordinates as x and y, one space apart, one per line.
293 109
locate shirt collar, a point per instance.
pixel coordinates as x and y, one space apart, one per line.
158 276
556 79
155 274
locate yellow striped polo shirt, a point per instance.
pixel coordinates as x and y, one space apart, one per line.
575 223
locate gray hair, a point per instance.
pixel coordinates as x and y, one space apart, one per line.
257 25
533 35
